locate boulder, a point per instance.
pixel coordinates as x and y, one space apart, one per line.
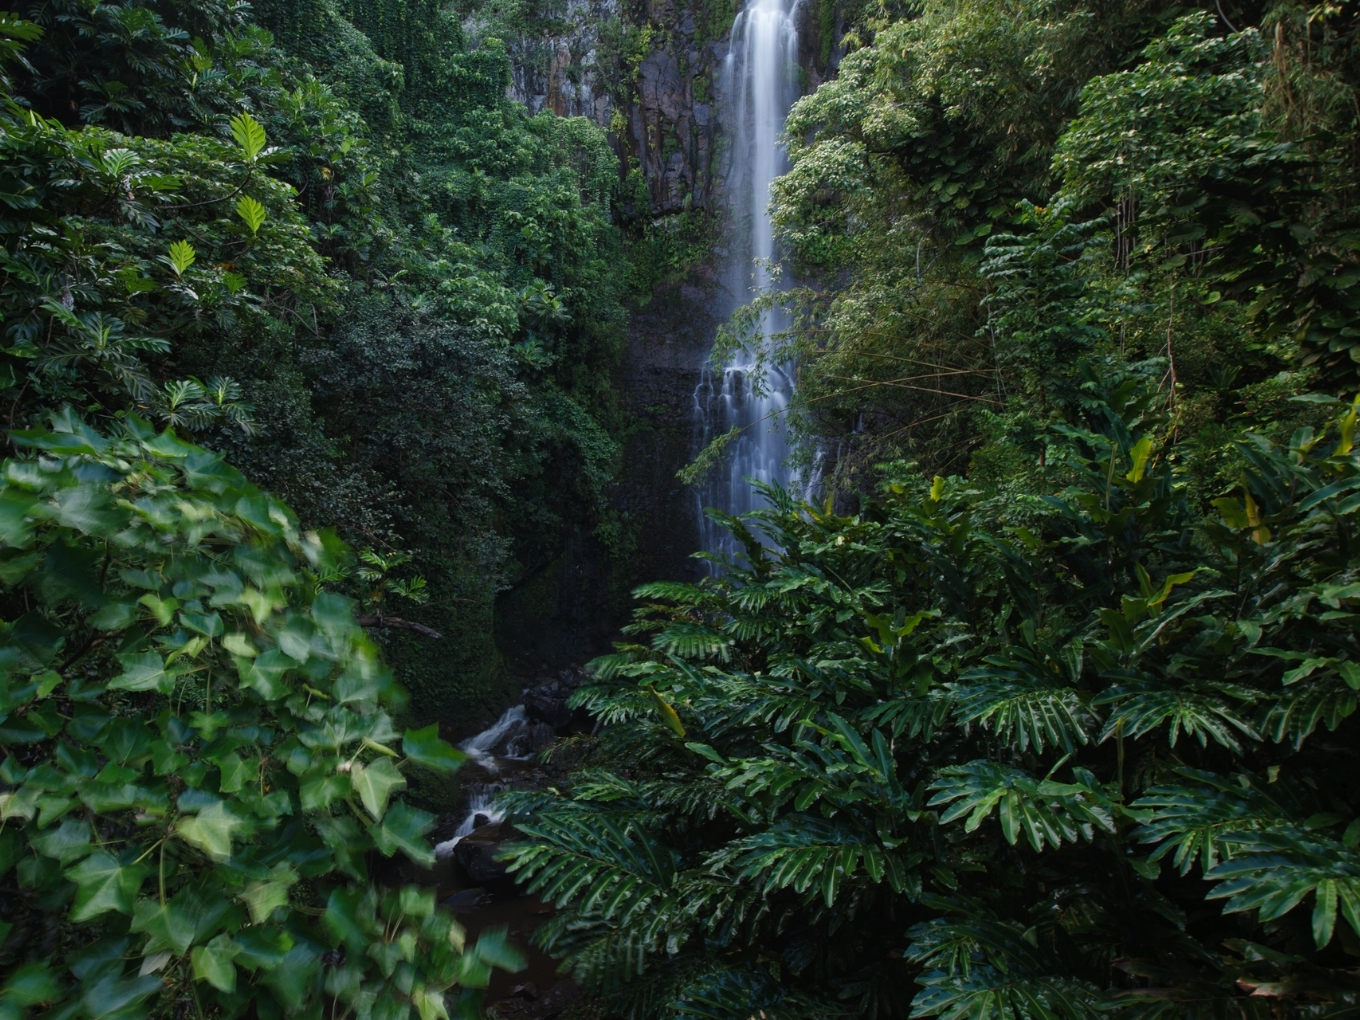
548 703
527 1003
467 901
477 853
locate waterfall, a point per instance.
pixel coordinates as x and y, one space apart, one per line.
498 737
506 740
759 83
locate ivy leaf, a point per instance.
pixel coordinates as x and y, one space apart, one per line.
425 748
403 828
103 885
168 925
213 963
263 898
144 671
259 947
69 842
249 135
210 830
29 985
252 212
235 772
375 783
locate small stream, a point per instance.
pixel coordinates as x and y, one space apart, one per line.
494 755
471 883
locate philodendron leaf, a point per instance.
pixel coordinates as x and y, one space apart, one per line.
252 212
374 783
103 884
213 963
425 748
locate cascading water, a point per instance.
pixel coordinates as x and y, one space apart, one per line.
503 741
759 84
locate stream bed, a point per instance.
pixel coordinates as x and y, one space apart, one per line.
468 878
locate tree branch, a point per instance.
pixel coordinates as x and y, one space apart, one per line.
378 620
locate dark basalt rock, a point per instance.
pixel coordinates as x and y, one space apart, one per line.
548 704
476 853
527 1003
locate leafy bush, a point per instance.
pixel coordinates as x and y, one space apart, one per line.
1015 747
201 760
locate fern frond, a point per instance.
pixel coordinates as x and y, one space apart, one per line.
1202 713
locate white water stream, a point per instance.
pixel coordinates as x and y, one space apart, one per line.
759 84
499 742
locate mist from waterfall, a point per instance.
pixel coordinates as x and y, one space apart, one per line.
759 83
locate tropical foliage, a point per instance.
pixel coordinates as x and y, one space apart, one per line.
1047 710
1010 752
385 295
1163 184
200 753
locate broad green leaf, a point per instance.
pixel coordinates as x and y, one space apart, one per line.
144 671
103 884
170 925
236 773
67 843
249 135
182 256
261 947
375 783
213 963
263 898
1140 453
494 948
403 829
30 984
321 787
211 830
162 609
239 645
252 212
425 748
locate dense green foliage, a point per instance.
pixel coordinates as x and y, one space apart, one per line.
997 190
397 315
200 753
1001 746
1068 730
404 285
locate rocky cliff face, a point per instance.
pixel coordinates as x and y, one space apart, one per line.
651 75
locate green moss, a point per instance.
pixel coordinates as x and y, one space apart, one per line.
826 28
